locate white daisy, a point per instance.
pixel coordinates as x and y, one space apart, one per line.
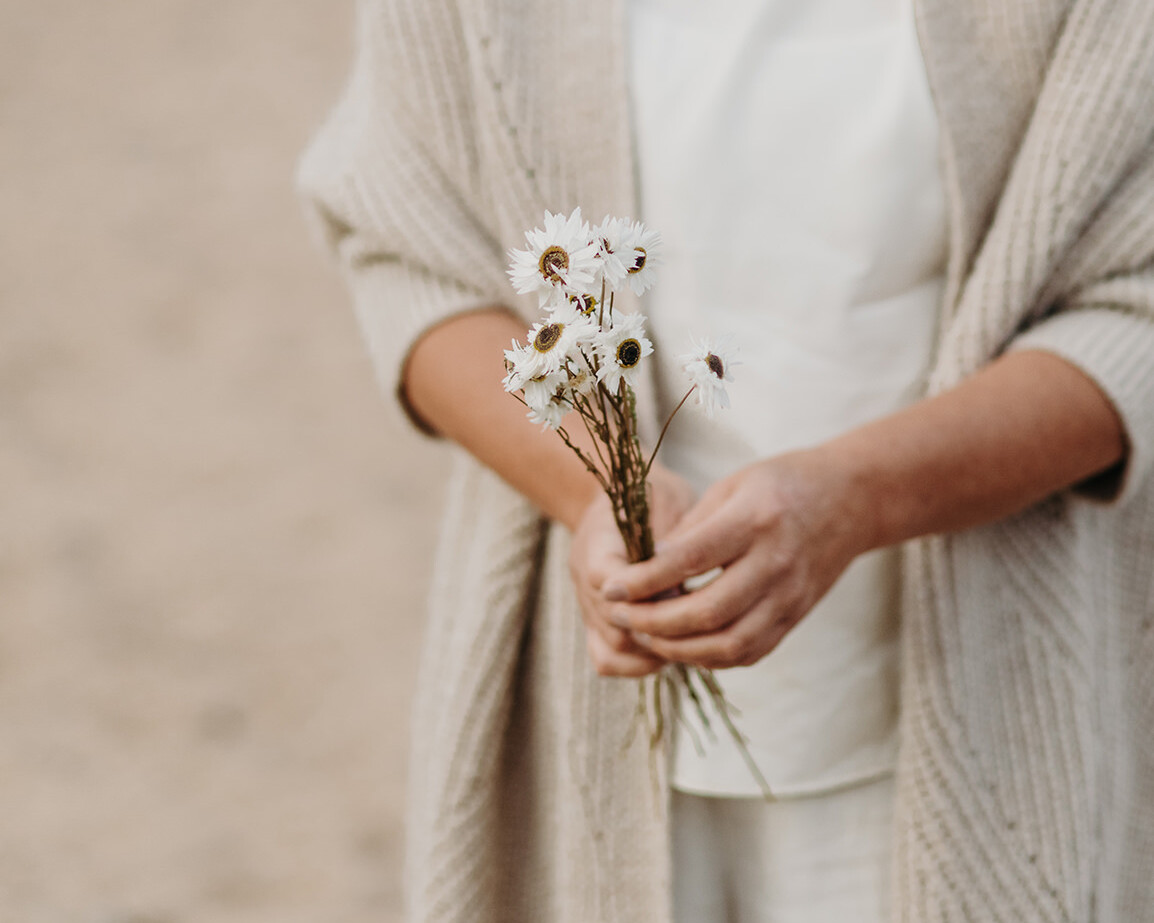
708 367
561 259
613 239
551 414
620 350
581 381
585 304
642 255
552 343
547 399
579 315
540 391
520 364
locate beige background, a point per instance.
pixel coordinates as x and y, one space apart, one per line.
213 538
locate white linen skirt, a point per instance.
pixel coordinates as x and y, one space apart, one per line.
821 859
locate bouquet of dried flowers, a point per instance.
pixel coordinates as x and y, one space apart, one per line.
583 359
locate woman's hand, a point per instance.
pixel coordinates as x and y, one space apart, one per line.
598 554
782 530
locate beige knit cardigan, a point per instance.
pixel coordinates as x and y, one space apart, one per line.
1026 776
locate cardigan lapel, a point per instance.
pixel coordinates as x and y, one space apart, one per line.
1044 109
985 60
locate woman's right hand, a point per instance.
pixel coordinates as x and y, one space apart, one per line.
598 553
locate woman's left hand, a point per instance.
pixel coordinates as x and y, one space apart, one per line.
598 553
782 530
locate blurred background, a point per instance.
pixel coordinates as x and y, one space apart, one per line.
214 537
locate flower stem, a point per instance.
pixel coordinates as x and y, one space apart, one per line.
665 429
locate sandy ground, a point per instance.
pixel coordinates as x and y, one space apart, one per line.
214 539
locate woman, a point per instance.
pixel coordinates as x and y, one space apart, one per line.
1023 477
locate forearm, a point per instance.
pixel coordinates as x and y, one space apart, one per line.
453 380
1026 426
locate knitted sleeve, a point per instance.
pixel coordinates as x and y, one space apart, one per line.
1105 325
1109 336
392 178
1083 184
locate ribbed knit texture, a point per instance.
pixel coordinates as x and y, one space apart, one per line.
1026 777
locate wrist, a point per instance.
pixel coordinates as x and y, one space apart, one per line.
850 496
572 507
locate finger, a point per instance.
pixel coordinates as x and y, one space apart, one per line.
601 554
613 638
741 586
714 542
608 662
596 552
740 644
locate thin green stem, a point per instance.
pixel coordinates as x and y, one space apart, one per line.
596 472
721 703
665 428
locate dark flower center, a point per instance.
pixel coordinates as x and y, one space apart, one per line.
628 354
639 258
715 366
586 304
554 261
547 337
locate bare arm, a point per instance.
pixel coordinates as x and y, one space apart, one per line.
453 381
1028 425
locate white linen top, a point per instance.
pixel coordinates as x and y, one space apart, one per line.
788 156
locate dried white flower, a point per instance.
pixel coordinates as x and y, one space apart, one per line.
581 381
547 398
708 368
642 254
614 250
620 350
519 364
561 259
551 414
553 343
539 391
586 305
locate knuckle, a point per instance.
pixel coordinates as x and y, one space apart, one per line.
637 619
733 648
602 662
650 647
784 622
693 560
787 561
749 657
712 616
766 515
744 517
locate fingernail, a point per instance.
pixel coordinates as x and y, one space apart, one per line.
643 639
614 592
619 619
661 547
